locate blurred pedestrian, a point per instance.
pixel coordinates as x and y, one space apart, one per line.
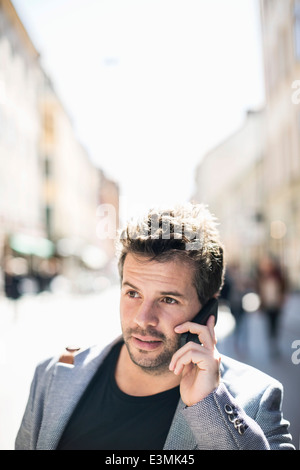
14 271
236 293
271 287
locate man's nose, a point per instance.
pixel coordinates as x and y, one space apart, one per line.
146 315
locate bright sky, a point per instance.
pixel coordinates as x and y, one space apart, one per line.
150 85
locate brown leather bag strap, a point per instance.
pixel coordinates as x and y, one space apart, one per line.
68 355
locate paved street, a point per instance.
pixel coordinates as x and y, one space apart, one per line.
43 325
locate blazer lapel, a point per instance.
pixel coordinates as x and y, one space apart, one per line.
67 386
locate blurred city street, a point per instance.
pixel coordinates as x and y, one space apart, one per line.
41 326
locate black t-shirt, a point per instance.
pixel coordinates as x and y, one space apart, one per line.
107 418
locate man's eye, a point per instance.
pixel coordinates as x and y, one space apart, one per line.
169 300
132 294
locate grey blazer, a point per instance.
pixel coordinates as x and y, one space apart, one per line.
243 413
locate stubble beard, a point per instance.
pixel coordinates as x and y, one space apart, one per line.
144 359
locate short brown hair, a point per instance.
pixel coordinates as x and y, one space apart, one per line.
187 232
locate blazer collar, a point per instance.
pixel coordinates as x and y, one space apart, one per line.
66 388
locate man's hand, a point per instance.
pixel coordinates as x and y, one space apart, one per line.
198 364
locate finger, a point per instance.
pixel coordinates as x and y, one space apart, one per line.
192 357
204 360
179 353
190 348
205 335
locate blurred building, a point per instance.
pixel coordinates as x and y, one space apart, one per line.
108 214
20 129
281 47
74 190
229 179
252 180
50 191
71 183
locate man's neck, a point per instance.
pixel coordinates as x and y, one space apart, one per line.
135 381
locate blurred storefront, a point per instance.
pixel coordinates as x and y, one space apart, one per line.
20 129
50 191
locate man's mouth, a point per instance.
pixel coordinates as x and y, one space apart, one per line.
146 343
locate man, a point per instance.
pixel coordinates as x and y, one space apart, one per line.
146 391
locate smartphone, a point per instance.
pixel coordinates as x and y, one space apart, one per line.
210 308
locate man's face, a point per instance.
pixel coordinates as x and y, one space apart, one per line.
155 297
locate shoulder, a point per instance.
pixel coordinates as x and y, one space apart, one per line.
246 381
232 369
83 358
